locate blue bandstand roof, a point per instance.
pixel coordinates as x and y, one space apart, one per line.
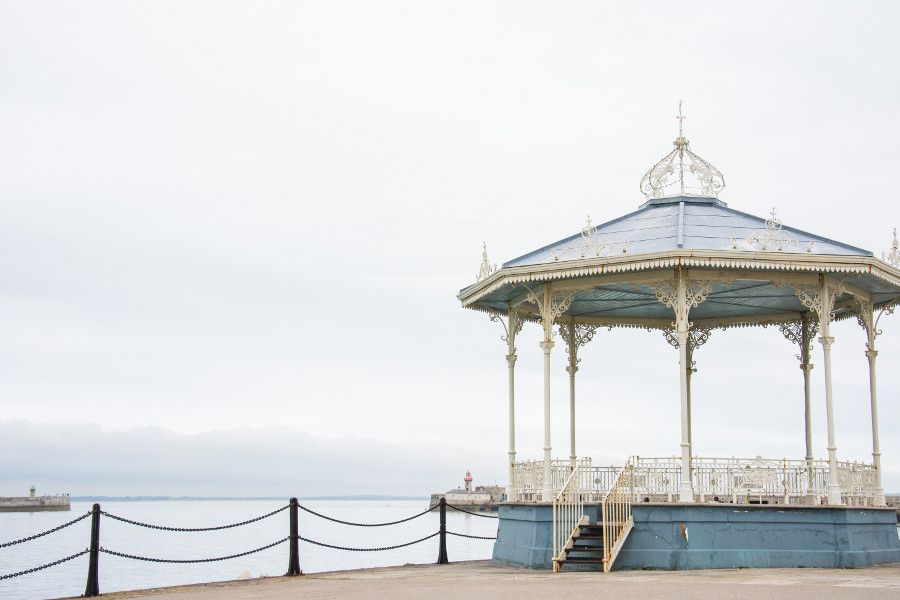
701 234
686 222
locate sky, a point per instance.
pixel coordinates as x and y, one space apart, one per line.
232 233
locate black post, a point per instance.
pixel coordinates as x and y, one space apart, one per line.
92 589
294 558
442 548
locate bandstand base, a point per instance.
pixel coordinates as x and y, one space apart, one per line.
717 536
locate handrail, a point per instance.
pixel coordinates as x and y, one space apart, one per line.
568 510
616 513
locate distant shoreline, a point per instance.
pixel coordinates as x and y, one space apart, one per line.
234 498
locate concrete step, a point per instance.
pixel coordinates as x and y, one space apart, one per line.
582 560
587 548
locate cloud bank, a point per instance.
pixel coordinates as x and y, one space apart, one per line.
85 459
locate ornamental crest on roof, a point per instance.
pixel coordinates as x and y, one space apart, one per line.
682 171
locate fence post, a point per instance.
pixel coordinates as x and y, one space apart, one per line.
294 558
442 548
92 589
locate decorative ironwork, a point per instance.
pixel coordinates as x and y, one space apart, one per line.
591 245
893 257
774 238
793 332
671 169
695 293
818 298
796 481
577 334
560 301
666 292
487 268
697 336
856 479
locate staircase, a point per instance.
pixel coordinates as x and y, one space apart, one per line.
585 547
576 541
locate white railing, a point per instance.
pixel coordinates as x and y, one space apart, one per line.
568 513
857 481
735 480
615 511
528 479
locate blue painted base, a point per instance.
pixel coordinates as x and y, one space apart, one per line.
716 536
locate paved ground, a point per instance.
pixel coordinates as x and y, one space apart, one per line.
481 579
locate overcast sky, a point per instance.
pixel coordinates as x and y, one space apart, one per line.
232 233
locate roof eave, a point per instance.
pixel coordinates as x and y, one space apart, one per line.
691 258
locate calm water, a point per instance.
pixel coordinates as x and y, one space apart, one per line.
118 574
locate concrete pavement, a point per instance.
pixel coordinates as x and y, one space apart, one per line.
482 579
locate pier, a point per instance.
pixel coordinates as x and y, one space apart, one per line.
484 579
34 503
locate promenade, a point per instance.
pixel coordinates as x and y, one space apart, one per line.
482 579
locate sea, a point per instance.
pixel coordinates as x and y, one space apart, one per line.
118 574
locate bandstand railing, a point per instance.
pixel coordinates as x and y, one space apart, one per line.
615 512
568 513
714 479
529 479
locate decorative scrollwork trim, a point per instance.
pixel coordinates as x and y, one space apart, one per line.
487 268
559 303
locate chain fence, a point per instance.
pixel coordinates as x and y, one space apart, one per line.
192 560
474 514
48 532
95 549
352 524
349 549
47 566
194 529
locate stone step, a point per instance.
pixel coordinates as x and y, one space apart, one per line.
582 560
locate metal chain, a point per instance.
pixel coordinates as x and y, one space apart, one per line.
474 537
468 512
37 535
427 537
320 515
193 560
47 566
165 528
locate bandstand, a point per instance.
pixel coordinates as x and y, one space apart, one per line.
686 265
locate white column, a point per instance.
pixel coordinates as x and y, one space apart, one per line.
806 366
686 491
571 370
546 346
834 488
872 355
514 325
511 362
547 494
690 373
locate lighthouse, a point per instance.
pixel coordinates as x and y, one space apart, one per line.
468 481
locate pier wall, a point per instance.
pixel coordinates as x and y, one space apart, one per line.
37 504
714 536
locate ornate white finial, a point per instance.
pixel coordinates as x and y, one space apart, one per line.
588 230
893 257
486 267
658 181
772 223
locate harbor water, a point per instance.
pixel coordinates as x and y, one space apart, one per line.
117 574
